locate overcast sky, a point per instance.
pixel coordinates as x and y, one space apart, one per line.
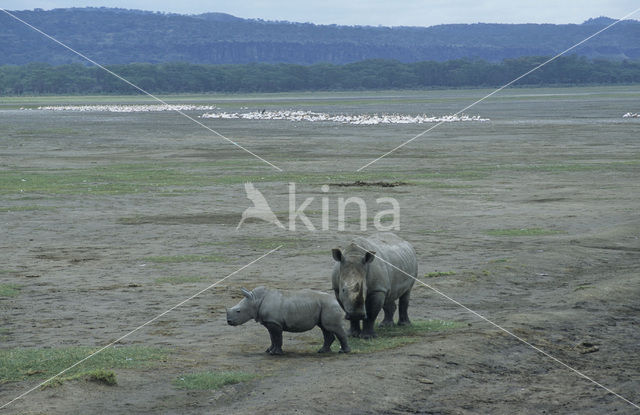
372 12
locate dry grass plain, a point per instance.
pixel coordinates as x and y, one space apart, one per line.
531 219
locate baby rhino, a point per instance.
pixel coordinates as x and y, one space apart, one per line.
296 312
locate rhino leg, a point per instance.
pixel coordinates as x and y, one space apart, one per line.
404 306
373 303
389 308
342 338
275 332
354 330
329 337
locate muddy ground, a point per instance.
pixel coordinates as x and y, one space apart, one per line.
533 218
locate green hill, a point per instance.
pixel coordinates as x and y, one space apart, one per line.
119 36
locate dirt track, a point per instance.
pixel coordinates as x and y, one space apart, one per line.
535 214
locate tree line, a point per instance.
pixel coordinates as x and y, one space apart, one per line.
41 78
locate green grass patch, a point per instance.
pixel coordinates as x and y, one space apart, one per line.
436 274
9 290
182 279
46 132
475 174
110 179
173 259
442 185
4 334
331 178
264 244
28 363
396 336
299 246
106 377
300 178
212 380
25 208
418 328
174 178
615 166
522 232
271 243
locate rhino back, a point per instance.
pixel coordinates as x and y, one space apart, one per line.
391 279
296 311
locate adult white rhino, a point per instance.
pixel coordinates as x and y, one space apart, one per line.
371 274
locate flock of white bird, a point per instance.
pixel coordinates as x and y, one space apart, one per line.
289 115
128 108
357 119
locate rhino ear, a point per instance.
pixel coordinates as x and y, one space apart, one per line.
368 257
337 254
247 293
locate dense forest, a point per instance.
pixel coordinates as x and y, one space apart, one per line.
118 36
40 78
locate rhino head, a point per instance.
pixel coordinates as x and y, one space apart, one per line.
244 311
352 286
